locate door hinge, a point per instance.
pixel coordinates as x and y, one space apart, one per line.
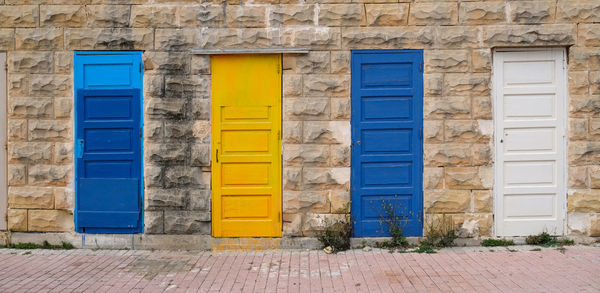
278 134
141 132
79 147
421 66
140 67
421 133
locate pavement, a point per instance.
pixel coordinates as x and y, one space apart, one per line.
460 269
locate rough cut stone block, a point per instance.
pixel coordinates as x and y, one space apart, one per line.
154 85
108 15
17 220
387 14
532 11
201 109
438 155
153 16
180 176
306 201
51 85
454 37
30 62
447 201
318 222
584 105
446 107
62 15
292 178
50 221
306 109
481 154
332 132
578 11
468 130
175 39
432 84
313 37
39 39
473 225
166 153
594 172
435 13
200 64
446 60
595 127
340 62
200 155
340 109
7 39
167 62
468 178
584 59
584 201
433 178
594 80
31 197
30 152
109 39
19 15
326 178
63 62
164 198
388 37
578 177
154 222
17 175
187 86
292 15
49 130
482 60
340 202
340 156
292 131
482 12
201 131
201 16
326 85
313 62
594 225
578 128
292 85
236 38
17 129
198 200
433 131
175 130
245 16
341 15
63 152
187 222
584 152
461 84
540 35
55 175
578 82
166 108
63 198
30 108
306 155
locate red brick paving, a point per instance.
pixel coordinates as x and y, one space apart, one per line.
451 270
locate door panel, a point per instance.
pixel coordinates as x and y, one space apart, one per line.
108 143
246 145
530 95
387 109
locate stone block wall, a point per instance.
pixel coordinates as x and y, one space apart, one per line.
457 38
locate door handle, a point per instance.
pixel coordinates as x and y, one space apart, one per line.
79 148
217 155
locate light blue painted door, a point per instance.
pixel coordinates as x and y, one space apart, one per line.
387 160
108 142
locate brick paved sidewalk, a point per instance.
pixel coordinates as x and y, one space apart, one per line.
450 270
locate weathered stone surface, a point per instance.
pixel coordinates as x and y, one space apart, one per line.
109 38
30 197
292 224
313 37
469 177
578 11
433 178
446 107
578 82
584 105
594 225
584 152
584 200
334 132
236 38
63 62
175 39
39 39
50 220
446 60
166 108
438 155
341 15
108 15
340 201
446 201
432 84
532 11
166 153
63 152
340 156
62 15
578 177
30 152
292 85
326 85
340 62
153 16
594 79
326 178
200 130
198 200
578 128
468 130
387 14
453 37
18 85
433 131
292 15
179 176
200 64
388 37
306 201
461 84
154 85
55 175
318 222
19 15
306 155
482 107
292 131
201 109
515 35
152 176
482 60
63 198
595 127
187 86
201 16
187 222
473 225
154 130
30 62
17 220
49 130
340 109
584 59
16 174
482 12
167 62
51 85
7 39
164 198
292 178
481 154
433 13
17 129
200 155
30 108
154 222
313 62
245 16
306 109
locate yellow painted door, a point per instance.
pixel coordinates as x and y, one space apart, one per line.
246 145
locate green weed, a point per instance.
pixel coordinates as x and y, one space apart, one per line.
496 242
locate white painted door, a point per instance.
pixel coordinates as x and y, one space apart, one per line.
3 188
529 114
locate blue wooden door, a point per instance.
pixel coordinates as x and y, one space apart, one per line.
108 142
387 110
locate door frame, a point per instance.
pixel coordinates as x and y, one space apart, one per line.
77 80
563 89
3 145
354 136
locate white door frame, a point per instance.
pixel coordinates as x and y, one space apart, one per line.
3 142
562 92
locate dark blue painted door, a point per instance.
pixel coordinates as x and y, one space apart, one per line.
387 110
108 142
